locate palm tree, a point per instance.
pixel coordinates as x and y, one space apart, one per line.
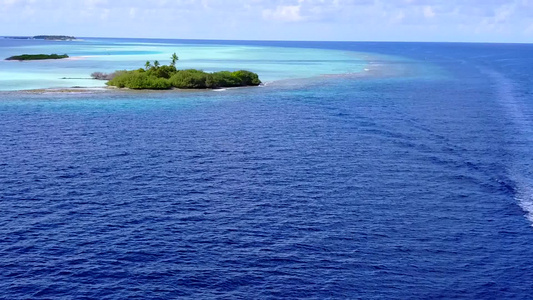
174 59
147 65
156 64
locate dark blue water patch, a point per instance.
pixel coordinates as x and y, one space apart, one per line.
349 188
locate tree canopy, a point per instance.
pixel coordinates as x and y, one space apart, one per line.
158 77
37 57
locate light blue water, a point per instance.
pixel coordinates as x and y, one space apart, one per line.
414 182
107 55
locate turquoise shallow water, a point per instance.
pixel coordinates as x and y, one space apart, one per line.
410 182
271 62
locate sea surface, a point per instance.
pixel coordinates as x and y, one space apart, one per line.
357 171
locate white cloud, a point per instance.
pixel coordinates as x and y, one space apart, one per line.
9 2
503 13
284 19
398 17
285 13
428 12
529 30
133 12
104 15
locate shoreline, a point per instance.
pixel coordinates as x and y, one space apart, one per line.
375 67
94 90
369 72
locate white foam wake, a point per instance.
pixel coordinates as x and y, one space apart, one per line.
521 169
524 196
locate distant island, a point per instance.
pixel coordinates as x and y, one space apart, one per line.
163 77
37 57
54 37
43 37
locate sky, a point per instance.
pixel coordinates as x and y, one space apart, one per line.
311 20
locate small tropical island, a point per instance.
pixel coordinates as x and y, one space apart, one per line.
54 37
163 77
43 37
37 57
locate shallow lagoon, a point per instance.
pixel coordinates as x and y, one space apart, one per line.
107 55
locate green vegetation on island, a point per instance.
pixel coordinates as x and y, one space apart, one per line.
37 57
43 37
162 77
54 37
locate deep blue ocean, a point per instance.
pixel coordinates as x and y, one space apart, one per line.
417 186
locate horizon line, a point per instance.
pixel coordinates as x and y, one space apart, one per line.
275 40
